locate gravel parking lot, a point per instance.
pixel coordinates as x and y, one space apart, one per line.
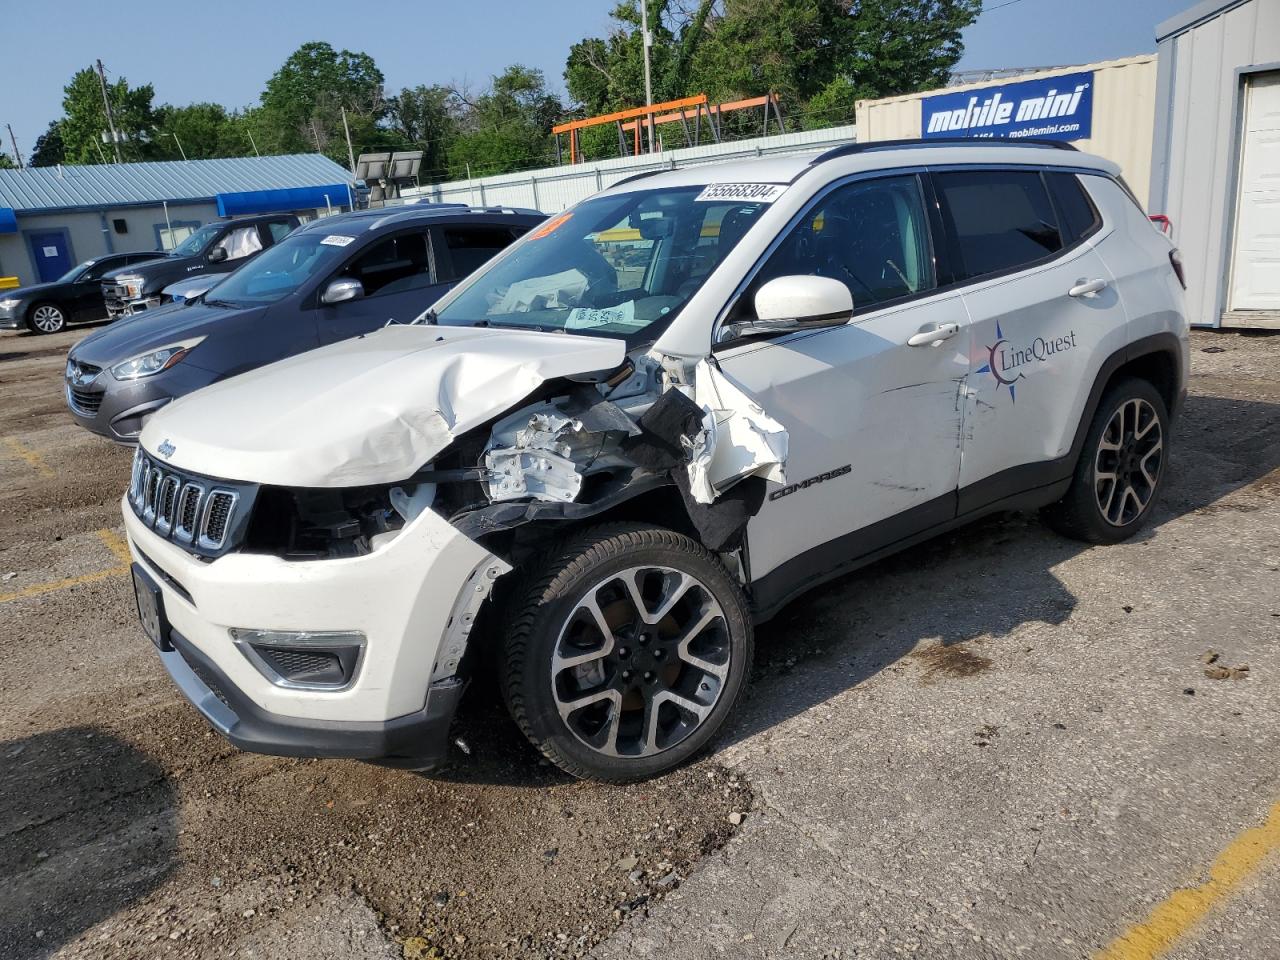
998 744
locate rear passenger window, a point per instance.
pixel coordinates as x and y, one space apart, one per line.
471 247
1000 220
1076 214
279 230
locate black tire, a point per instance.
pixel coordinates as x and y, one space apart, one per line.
1090 510
546 616
46 317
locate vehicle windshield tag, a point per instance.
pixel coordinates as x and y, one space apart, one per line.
336 240
747 192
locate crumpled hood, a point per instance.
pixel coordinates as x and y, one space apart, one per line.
365 411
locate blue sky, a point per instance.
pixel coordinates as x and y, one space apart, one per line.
225 50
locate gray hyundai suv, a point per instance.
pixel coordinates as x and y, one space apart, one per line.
332 279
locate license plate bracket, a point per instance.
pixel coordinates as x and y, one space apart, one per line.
150 603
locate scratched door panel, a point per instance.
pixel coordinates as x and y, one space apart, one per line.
856 396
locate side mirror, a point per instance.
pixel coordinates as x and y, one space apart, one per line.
217 254
340 291
797 303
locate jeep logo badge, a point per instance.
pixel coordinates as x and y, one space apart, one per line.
166 449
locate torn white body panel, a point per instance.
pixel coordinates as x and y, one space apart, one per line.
365 411
739 439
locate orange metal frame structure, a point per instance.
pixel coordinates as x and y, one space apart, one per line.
676 111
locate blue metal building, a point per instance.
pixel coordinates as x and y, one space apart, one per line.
52 218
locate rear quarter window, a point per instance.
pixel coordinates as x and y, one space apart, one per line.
1077 216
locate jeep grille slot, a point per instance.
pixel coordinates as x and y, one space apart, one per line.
204 516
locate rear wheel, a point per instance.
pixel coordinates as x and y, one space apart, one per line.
627 654
47 318
1120 469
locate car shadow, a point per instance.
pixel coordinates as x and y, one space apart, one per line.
928 602
88 825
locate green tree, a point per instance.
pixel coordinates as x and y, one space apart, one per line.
303 102
425 118
818 56
49 149
198 130
507 128
6 161
85 121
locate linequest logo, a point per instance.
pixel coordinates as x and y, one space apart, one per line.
1003 360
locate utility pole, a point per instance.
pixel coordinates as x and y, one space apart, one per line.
106 102
252 143
178 142
648 83
14 140
347 130
316 133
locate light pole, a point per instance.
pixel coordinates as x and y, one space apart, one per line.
178 142
648 83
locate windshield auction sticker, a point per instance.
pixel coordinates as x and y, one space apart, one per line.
748 192
337 240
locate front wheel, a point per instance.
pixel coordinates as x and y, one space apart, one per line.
1116 481
47 318
625 656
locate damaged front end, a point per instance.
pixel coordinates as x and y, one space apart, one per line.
579 449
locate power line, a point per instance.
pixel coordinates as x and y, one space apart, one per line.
1007 3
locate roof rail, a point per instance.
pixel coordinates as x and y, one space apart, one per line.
871 146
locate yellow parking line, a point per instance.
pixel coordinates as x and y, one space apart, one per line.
30 457
113 542
1184 908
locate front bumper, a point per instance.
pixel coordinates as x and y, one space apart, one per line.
11 317
119 409
414 599
422 736
118 307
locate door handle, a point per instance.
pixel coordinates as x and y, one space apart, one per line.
1087 288
934 333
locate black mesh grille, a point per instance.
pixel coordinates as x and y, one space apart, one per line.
168 499
204 516
187 512
215 527
308 666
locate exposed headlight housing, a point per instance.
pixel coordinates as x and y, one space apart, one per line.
131 284
153 362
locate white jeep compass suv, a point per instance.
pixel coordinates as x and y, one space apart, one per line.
645 427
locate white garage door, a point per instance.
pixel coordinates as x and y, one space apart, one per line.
1255 273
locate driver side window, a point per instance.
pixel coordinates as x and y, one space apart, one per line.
241 242
871 235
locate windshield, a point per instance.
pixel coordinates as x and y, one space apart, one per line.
74 273
281 270
612 266
196 242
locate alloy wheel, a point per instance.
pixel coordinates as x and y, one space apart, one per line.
1128 462
47 319
641 661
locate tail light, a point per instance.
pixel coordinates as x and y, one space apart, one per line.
1175 261
1163 222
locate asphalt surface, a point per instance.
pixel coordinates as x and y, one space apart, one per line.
998 744
129 829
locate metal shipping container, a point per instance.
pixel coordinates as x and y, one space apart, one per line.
1124 97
